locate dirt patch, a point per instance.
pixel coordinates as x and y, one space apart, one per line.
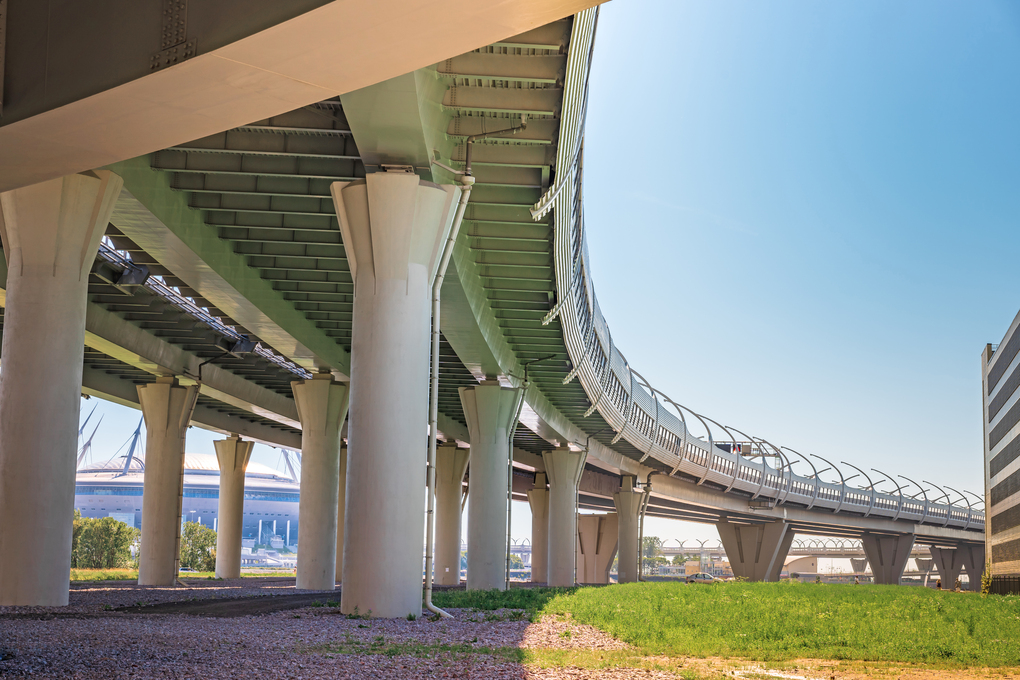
232 607
822 669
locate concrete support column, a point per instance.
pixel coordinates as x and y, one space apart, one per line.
564 468
597 540
232 454
393 226
538 499
628 509
887 556
947 564
490 411
756 551
51 232
859 564
451 463
972 559
341 504
322 407
167 408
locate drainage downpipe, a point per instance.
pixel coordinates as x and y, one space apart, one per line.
577 504
641 530
467 181
510 480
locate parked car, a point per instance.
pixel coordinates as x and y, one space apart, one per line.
702 577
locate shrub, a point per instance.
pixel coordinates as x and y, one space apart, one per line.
101 543
198 547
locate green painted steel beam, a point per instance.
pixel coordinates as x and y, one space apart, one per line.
158 219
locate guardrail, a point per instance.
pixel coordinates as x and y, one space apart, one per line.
646 417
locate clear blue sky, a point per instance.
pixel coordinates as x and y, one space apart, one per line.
803 218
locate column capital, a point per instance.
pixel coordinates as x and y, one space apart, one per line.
489 409
233 453
564 466
392 221
55 227
321 401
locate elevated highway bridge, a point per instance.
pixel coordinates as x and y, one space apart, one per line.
251 225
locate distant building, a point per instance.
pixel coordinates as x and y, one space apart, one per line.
1000 378
270 497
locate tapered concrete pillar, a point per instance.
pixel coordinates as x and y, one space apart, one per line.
490 411
167 408
628 508
538 499
341 507
393 227
232 454
948 564
451 463
322 406
859 564
972 560
887 556
51 232
756 551
597 540
564 468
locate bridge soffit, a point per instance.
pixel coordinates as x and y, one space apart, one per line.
160 221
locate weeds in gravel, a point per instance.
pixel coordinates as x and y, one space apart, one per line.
327 603
379 645
591 660
357 615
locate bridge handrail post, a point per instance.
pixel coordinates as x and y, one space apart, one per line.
949 502
965 500
871 486
751 440
814 474
842 482
788 483
924 515
899 490
683 443
711 450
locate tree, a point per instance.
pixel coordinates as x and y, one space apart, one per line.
100 543
651 546
679 559
198 547
651 551
516 562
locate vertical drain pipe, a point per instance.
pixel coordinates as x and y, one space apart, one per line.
641 531
510 480
467 181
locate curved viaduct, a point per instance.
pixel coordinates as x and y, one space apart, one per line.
243 217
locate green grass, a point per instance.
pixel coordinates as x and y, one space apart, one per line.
776 621
769 622
103 574
131 574
532 600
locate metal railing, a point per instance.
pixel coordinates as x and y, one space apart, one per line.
646 417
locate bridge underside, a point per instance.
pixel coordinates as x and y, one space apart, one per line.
227 277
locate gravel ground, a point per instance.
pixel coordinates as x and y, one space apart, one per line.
87 640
